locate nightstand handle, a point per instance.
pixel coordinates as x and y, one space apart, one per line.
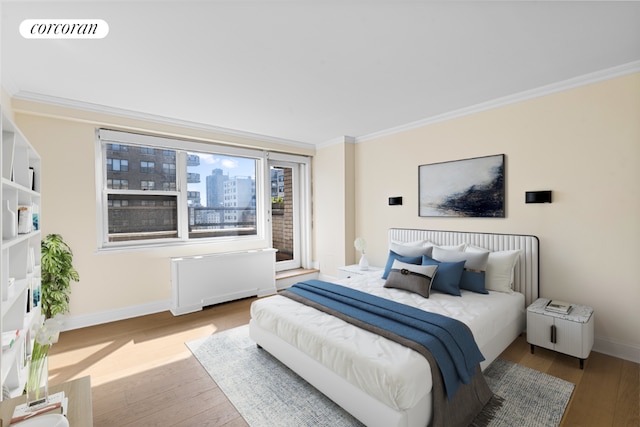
553 334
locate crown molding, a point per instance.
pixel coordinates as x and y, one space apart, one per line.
598 76
587 79
136 115
339 140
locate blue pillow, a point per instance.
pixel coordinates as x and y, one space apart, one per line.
473 281
473 276
447 277
394 256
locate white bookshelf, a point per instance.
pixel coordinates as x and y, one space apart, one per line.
20 259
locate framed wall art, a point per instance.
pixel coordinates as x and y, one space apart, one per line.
463 188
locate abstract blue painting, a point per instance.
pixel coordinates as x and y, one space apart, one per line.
463 188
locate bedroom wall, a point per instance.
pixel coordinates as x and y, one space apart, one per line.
112 284
584 144
334 205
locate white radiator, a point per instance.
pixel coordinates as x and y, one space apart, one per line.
204 280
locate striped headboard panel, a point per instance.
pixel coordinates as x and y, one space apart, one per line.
526 274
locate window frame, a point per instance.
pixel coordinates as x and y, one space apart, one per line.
260 240
302 199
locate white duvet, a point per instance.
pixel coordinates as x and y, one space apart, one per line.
390 372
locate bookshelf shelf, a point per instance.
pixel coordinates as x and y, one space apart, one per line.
19 248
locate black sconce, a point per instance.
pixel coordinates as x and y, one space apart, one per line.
393 201
538 196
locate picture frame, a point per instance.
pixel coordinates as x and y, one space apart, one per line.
473 187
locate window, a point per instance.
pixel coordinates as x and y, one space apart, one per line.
169 169
147 185
116 147
118 184
117 165
198 192
147 167
213 215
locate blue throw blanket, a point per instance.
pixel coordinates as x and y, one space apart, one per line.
450 341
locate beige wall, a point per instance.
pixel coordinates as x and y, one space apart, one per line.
584 144
114 284
334 206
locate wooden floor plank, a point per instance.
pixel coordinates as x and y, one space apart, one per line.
143 374
564 367
596 393
627 412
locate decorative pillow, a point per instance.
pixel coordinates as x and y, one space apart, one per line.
411 277
475 266
448 276
417 248
457 248
394 256
500 269
471 248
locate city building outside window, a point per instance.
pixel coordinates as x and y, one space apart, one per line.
147 167
200 191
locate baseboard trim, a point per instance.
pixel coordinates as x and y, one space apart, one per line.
93 319
617 349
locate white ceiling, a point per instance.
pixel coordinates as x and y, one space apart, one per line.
311 71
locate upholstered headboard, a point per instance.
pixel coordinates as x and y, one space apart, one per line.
526 274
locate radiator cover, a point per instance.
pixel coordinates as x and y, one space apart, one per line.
200 281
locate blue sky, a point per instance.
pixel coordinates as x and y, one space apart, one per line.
232 166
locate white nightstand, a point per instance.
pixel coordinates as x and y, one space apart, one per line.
570 333
349 271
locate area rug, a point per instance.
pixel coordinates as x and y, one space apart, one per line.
268 394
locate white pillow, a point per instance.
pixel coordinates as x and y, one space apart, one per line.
474 260
475 266
459 248
416 248
419 247
500 268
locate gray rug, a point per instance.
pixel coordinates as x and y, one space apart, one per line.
268 394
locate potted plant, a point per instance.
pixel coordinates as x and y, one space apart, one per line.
57 274
277 203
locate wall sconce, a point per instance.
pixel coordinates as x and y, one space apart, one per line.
538 196
393 201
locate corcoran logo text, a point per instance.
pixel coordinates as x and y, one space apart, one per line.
64 29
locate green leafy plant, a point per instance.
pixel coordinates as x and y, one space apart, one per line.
57 274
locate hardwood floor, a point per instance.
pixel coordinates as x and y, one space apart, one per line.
142 374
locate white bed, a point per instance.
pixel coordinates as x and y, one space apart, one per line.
380 382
